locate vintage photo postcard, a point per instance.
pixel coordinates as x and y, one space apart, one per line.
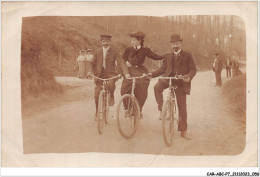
129 84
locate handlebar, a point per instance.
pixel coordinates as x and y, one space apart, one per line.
177 77
107 79
139 77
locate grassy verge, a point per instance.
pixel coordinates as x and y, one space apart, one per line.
70 93
234 91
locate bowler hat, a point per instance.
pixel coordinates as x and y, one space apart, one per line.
105 36
175 38
137 34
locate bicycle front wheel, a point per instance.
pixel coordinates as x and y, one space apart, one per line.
128 115
101 111
167 121
107 107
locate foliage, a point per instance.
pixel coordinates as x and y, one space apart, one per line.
50 45
235 92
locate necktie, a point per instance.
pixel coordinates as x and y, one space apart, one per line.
176 67
104 59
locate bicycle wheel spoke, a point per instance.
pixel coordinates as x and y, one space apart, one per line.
101 111
167 122
127 119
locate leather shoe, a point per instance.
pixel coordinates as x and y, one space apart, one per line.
184 135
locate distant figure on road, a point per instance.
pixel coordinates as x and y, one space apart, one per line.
178 62
228 67
134 57
105 64
89 60
235 68
217 68
81 64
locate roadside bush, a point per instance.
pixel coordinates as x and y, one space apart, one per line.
235 92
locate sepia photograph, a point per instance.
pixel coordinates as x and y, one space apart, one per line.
129 84
172 85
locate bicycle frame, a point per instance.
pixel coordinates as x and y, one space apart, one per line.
103 108
172 95
134 82
131 111
172 98
104 81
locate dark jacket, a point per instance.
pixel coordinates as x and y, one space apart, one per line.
137 57
230 63
187 66
218 65
114 63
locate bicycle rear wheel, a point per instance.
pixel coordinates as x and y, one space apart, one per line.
101 111
168 121
128 116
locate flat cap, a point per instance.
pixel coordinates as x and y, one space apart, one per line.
106 36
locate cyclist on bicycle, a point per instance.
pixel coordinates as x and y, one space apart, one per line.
106 63
178 62
134 57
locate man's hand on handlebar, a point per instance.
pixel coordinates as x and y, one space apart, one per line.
119 76
89 75
128 64
186 78
127 76
148 75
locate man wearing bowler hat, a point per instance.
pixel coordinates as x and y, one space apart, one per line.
106 63
178 62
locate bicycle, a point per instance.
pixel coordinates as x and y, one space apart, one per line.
128 112
103 105
170 112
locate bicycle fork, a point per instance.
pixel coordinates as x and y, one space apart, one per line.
130 104
105 98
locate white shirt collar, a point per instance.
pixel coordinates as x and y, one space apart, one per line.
176 53
105 49
138 47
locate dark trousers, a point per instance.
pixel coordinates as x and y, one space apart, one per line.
218 78
110 85
141 85
228 70
181 101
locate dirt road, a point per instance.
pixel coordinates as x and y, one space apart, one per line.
70 128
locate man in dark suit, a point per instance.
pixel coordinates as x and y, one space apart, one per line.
106 63
217 68
178 62
228 67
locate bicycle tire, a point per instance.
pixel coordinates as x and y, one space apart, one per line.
107 107
168 121
134 115
101 112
